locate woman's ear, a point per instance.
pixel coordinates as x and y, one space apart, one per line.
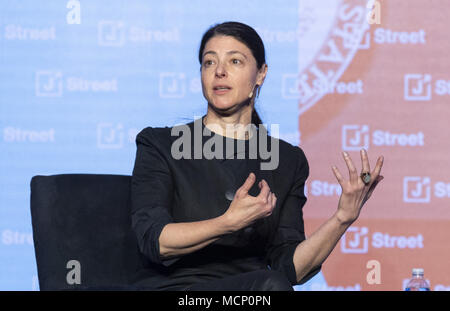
261 75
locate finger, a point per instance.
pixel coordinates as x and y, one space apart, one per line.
365 161
338 175
268 198
248 183
273 200
351 168
265 191
372 188
377 170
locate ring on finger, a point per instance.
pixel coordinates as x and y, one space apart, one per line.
365 176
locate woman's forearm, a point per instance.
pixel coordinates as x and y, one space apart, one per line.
313 251
182 238
186 237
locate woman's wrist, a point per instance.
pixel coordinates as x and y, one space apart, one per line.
343 218
226 224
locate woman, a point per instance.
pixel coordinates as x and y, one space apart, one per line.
224 223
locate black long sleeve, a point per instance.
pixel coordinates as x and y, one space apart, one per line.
151 195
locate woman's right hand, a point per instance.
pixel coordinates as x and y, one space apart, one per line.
246 209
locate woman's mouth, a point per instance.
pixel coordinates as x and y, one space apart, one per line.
221 89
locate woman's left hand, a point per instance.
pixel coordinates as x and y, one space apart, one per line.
354 191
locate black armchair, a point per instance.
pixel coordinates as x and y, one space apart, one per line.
82 232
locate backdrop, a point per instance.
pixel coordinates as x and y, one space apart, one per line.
79 80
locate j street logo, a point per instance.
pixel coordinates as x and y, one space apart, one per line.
326 47
110 136
357 240
417 87
175 85
114 135
418 189
356 137
51 83
172 85
116 34
111 33
420 87
386 36
291 82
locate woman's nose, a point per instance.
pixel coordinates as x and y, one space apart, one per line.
221 71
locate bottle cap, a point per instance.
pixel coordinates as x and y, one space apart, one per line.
417 271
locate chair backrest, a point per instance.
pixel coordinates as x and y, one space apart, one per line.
82 231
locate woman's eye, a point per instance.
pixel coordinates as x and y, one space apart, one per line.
236 61
207 62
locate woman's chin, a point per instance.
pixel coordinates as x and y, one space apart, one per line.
229 106
223 105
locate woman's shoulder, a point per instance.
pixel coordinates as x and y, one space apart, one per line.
292 160
162 136
151 132
155 137
288 150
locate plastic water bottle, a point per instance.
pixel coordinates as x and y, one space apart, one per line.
417 282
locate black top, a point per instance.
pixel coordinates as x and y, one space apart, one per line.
168 188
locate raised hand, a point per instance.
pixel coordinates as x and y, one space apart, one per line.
355 192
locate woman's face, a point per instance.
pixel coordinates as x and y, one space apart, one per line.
229 72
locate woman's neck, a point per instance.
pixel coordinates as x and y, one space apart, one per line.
235 126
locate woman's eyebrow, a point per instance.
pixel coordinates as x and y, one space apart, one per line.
229 52
233 52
